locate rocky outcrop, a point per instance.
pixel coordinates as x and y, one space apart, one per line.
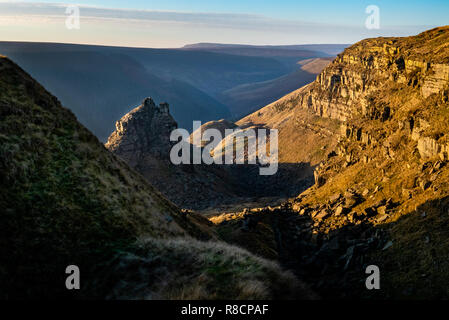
142 139
436 79
429 146
144 130
352 89
344 89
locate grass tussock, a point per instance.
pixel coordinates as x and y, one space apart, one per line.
190 269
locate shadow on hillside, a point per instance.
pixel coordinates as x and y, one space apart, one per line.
289 180
412 253
243 184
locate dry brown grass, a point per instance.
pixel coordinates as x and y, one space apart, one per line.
303 136
430 45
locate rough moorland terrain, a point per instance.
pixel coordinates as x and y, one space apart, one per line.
65 199
381 187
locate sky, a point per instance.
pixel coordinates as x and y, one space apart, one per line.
174 23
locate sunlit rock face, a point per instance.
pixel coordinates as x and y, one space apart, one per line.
344 88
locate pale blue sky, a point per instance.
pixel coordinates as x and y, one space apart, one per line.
172 23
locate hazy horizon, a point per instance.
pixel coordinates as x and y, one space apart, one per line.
179 47
175 23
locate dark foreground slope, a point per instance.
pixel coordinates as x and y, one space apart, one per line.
66 200
381 194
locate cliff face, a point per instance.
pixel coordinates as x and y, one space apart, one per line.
343 90
381 187
390 96
399 79
358 83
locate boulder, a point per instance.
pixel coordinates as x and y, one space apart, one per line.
382 218
380 203
352 199
382 210
322 214
340 210
319 180
335 197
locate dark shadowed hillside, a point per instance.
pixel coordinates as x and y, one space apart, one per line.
247 98
279 52
211 72
98 85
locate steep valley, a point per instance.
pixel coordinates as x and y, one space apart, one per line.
363 180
